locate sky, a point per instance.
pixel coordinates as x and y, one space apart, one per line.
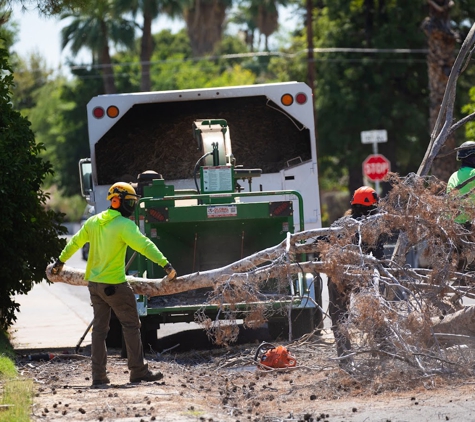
42 34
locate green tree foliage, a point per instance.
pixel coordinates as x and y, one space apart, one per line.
258 14
69 127
56 109
245 18
468 109
172 65
267 17
362 91
150 9
52 7
7 28
29 232
181 72
45 117
58 115
373 91
205 21
463 17
31 74
92 28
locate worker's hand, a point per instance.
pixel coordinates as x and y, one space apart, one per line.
57 267
171 273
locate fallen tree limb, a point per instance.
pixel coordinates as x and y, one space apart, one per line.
461 323
205 279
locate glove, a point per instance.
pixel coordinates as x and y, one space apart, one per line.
171 273
57 267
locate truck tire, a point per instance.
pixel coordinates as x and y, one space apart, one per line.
148 331
278 329
304 321
149 339
114 336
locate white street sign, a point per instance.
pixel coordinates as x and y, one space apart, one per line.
374 136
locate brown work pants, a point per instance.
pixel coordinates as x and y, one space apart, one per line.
123 303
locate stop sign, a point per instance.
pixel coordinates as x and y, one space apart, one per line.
376 167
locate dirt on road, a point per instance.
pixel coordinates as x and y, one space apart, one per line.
225 384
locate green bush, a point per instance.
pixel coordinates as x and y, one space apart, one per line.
28 232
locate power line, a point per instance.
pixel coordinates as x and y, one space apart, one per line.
263 54
371 50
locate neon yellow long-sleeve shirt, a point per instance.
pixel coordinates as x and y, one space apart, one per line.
109 234
456 179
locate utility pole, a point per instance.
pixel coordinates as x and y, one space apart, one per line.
311 60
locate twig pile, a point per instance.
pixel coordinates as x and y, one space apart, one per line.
407 317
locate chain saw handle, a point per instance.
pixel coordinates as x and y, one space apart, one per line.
274 357
263 347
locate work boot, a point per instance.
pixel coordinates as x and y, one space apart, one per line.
102 381
149 376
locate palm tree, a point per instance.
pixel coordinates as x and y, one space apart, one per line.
150 11
92 29
440 59
205 23
267 20
258 14
267 17
311 57
246 18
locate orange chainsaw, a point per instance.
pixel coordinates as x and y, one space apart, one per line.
274 357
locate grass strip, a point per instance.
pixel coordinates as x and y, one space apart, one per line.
16 394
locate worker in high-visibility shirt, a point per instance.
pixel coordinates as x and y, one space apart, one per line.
109 233
460 179
364 203
463 181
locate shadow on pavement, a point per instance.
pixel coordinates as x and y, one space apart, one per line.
197 339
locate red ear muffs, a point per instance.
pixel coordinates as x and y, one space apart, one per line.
115 202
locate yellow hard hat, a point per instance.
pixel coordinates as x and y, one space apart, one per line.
122 196
122 190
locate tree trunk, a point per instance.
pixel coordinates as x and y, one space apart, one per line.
204 22
267 22
310 53
440 59
106 62
238 270
146 50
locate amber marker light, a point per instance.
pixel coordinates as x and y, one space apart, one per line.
287 99
301 98
98 112
112 112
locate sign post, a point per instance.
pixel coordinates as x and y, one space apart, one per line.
374 164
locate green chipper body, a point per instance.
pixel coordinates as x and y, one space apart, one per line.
218 212
205 231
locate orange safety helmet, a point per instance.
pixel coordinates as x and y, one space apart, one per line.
365 196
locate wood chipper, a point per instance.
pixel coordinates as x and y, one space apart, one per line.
198 205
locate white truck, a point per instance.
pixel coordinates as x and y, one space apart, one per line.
223 173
